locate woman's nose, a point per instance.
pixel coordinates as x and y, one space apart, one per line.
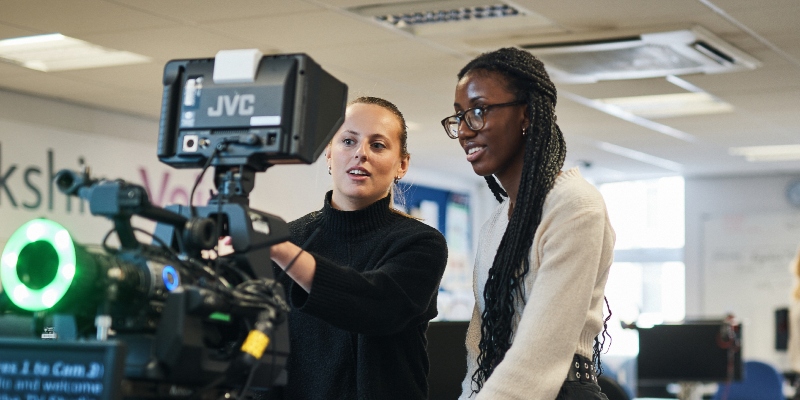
464 130
361 151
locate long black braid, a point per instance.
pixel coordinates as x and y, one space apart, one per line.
545 151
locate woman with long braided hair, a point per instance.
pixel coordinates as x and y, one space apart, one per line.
544 255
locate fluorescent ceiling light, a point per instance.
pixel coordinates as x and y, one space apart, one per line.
639 156
683 84
670 105
618 112
56 52
786 152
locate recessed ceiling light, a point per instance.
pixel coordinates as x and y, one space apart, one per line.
56 52
786 152
670 105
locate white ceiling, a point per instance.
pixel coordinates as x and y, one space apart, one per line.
418 72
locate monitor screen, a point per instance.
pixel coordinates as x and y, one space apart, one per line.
51 369
706 351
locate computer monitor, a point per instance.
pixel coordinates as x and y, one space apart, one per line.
701 351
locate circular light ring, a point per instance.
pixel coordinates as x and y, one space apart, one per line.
171 278
44 298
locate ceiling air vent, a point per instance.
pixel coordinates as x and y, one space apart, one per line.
438 17
648 55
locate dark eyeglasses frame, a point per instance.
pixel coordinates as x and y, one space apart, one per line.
460 116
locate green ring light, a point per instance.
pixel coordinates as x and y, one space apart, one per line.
38 299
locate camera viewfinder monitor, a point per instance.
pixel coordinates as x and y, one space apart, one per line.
707 351
255 110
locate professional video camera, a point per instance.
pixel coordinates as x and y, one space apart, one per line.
177 321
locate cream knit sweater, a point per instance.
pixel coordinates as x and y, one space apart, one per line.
570 258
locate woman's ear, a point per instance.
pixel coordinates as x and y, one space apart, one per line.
328 153
401 172
526 122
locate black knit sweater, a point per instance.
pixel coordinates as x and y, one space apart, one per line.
360 333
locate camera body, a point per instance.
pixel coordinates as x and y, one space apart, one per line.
180 317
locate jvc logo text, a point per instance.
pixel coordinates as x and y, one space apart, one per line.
238 104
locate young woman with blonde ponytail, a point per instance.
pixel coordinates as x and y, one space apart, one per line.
364 289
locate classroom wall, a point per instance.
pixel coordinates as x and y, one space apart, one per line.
741 234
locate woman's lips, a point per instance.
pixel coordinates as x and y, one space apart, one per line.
358 173
474 152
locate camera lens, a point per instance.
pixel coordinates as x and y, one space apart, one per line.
37 264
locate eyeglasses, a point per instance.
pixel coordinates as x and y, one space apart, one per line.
474 117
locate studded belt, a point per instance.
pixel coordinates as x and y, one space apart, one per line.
581 370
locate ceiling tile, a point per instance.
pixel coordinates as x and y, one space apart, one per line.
77 17
213 10
769 17
11 31
173 42
8 69
307 30
594 16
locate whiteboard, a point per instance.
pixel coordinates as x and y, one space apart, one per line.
746 272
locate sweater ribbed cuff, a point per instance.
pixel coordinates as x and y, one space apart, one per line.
325 279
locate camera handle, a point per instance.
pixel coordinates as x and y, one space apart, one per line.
117 200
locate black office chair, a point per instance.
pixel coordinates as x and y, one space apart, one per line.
611 388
